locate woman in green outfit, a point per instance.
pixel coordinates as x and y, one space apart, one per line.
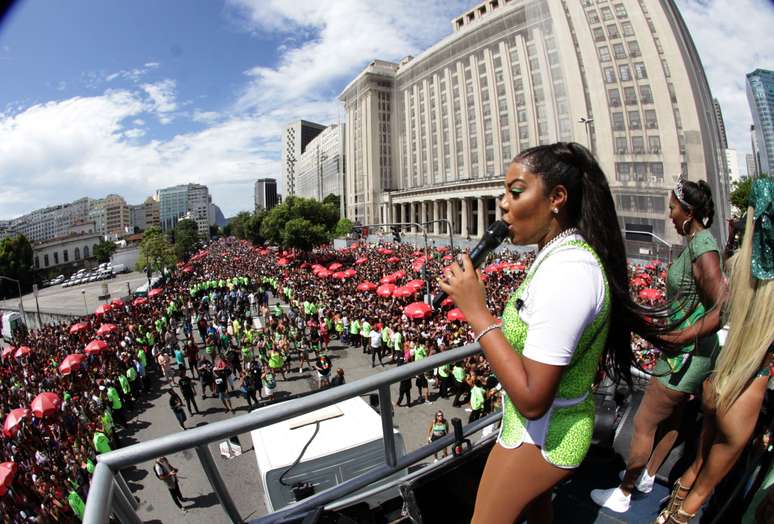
572 312
695 287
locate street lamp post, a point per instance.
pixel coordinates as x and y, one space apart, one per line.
18 286
85 307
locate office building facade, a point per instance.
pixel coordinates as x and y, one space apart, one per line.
320 168
295 138
186 201
430 138
760 96
265 194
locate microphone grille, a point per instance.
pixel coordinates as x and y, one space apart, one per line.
498 230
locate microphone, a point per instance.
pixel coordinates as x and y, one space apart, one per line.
492 238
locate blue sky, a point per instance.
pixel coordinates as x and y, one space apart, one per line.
126 97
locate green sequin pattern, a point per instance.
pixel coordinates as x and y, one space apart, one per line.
570 428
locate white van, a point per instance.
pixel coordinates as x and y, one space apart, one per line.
118 268
348 444
9 322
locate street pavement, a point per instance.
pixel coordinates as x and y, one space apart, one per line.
241 473
78 300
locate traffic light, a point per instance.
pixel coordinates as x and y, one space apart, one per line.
396 234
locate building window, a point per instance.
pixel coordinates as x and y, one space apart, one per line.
634 48
640 71
619 51
593 16
630 95
646 96
620 10
85 251
634 120
651 122
604 53
622 171
65 256
37 262
56 258
614 98
618 121
621 147
654 144
638 145
657 172
599 34
610 75
77 253
612 31
45 260
627 28
607 14
624 72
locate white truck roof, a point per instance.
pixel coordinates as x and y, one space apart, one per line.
343 426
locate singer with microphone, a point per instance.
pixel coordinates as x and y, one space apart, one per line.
571 313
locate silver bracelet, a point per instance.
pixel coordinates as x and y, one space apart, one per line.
486 330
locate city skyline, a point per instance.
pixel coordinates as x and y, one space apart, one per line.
131 115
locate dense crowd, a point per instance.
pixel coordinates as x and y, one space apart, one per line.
212 321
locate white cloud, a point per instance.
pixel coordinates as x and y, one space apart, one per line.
733 40
205 117
134 74
162 99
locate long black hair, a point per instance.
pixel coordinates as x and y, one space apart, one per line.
590 208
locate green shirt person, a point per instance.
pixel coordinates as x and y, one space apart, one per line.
459 373
420 352
114 397
101 442
76 504
365 329
354 327
131 373
142 358
476 397
124 382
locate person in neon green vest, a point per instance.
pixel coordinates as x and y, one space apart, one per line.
354 332
477 397
76 504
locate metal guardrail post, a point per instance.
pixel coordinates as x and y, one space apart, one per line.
123 507
385 410
124 487
100 494
216 481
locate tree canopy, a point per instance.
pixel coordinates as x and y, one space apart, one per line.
300 223
103 251
740 194
15 263
247 226
156 253
186 238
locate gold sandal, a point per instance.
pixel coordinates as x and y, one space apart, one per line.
674 505
680 517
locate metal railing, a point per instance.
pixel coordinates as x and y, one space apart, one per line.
110 493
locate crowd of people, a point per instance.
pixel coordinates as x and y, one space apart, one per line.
211 330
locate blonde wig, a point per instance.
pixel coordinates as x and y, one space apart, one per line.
751 325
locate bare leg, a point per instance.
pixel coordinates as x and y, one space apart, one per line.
500 500
541 511
664 445
707 437
734 429
657 405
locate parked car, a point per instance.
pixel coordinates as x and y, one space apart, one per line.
119 268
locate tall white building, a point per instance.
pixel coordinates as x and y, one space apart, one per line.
752 168
320 168
295 138
431 137
186 201
51 222
266 196
732 162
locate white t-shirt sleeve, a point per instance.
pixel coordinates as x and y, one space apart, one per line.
563 298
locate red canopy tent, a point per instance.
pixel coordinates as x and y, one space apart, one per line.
324 273
385 290
45 404
8 351
117 303
23 350
139 301
13 420
283 262
366 286
400 274
447 257
155 292
388 279
384 251
455 314
340 275
403 292
350 272
638 282
442 249
447 302
78 327
7 474
95 346
104 329
650 293
361 260
416 284
393 260
102 309
335 266
187 269
417 310
71 362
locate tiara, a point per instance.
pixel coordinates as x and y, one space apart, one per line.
679 191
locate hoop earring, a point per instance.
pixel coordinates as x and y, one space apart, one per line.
685 222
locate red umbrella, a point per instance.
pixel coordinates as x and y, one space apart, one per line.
517 267
23 350
117 303
45 404
448 257
104 329
493 268
442 249
7 473
340 275
416 284
78 327
139 301
384 251
455 314
650 293
366 286
283 262
447 302
393 260
71 362
388 279
350 272
385 290
155 292
187 269
324 273
13 420
8 351
637 282
95 346
400 274
417 310
403 292
334 266
102 309
361 260
417 254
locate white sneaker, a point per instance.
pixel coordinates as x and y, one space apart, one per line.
613 499
644 483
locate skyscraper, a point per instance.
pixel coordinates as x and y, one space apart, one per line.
320 168
431 137
752 168
721 123
760 95
295 138
265 194
185 201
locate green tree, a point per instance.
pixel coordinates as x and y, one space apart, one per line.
333 200
16 263
104 250
343 228
302 234
740 194
283 224
186 238
156 252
